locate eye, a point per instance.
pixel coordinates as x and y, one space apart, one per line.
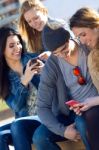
36 17
29 21
83 34
18 43
11 45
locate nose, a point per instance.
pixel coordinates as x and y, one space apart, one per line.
17 48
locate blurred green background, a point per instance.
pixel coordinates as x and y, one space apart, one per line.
3 106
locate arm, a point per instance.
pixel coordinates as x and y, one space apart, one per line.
84 106
46 96
20 87
89 103
16 100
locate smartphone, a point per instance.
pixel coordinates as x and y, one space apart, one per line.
71 103
34 61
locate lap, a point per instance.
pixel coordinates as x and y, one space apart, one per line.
43 132
5 134
5 127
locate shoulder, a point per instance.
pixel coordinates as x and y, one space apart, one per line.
29 55
55 23
52 62
51 69
26 56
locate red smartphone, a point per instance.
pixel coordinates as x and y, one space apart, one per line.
71 103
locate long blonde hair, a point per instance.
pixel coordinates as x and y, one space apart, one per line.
93 65
31 36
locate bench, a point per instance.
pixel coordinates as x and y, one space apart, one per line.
69 145
66 145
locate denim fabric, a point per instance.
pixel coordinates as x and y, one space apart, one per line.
43 138
18 93
5 137
16 101
82 128
22 132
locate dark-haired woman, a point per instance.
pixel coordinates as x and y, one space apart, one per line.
19 78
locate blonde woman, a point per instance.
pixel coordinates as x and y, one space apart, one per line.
33 18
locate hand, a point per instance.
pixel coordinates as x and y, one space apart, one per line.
30 71
71 133
44 55
40 66
87 105
77 108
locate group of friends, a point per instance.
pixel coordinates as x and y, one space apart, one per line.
41 68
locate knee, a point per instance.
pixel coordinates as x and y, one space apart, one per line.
16 128
3 137
80 125
39 137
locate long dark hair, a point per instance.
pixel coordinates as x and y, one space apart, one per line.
5 32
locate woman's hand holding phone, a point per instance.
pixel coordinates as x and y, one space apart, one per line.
75 106
37 64
33 67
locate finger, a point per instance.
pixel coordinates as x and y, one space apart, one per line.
77 112
34 66
76 109
28 63
71 108
83 108
40 62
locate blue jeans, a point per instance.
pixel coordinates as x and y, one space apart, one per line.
5 137
81 127
22 132
45 139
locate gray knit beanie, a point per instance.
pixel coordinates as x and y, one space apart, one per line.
54 38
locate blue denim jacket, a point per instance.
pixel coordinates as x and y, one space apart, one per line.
17 98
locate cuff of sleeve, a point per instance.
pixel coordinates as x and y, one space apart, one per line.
23 88
62 130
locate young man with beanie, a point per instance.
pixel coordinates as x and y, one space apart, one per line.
64 77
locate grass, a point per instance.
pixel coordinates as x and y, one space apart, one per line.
3 106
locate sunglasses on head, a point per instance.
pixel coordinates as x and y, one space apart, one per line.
80 79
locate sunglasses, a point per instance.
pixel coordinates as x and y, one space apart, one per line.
80 79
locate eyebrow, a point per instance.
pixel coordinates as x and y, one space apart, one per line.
81 33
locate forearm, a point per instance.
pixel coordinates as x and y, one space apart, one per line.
94 101
49 120
18 96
